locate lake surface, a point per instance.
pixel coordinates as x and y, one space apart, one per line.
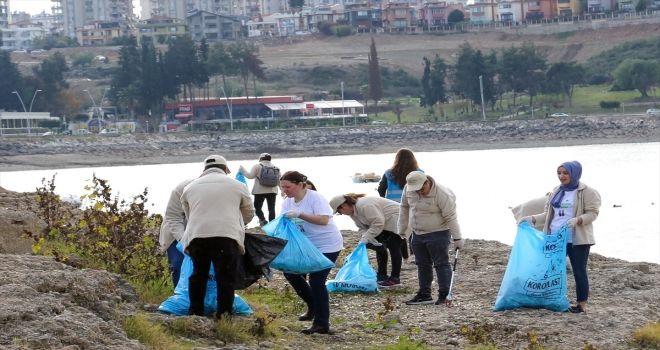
485 182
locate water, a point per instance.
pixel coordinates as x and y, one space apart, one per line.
485 182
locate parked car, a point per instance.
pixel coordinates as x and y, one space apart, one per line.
379 122
37 50
653 111
21 51
559 115
48 133
109 131
303 32
99 58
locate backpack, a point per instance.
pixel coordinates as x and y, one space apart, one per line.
269 176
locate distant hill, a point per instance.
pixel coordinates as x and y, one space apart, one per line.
605 62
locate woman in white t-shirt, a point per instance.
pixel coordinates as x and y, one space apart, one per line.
310 211
577 205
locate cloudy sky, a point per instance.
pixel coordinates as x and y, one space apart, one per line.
34 7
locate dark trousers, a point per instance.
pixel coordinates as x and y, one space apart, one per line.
404 249
579 255
432 252
224 253
270 202
393 243
314 293
175 258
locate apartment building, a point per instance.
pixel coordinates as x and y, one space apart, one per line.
76 13
99 33
600 6
510 10
568 8
157 27
482 11
212 26
433 13
5 14
265 25
362 16
461 6
19 35
396 16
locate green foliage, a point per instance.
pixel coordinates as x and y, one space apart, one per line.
152 334
343 30
81 117
638 74
564 35
404 343
375 77
296 4
647 337
641 5
562 77
607 61
610 104
456 16
83 59
326 27
12 80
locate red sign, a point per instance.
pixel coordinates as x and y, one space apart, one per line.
309 105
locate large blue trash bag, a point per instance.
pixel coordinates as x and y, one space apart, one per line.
356 275
300 255
179 303
535 276
240 177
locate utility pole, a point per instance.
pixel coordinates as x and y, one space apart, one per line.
483 108
98 117
231 119
343 114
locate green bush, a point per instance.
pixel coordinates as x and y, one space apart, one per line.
326 27
344 31
598 79
609 104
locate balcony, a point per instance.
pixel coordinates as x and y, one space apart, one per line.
438 15
594 2
478 14
596 9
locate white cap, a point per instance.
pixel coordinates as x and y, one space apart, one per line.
336 201
415 180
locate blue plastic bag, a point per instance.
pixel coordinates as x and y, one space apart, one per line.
179 303
535 276
240 177
356 275
300 255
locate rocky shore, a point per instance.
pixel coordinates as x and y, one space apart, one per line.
140 149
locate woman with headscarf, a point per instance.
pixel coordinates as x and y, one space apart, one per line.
577 205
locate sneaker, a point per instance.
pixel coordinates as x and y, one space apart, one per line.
262 223
577 309
390 282
441 300
381 278
420 300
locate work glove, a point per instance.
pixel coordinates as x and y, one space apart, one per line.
525 219
292 214
242 170
572 222
458 243
372 241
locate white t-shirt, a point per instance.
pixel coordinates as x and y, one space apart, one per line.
564 213
326 238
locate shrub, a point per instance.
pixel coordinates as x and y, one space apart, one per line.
610 104
344 31
648 336
326 27
598 79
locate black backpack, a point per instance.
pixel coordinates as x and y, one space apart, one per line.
269 176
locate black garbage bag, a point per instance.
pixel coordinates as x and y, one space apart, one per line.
260 250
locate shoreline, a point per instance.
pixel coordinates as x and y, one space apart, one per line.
29 162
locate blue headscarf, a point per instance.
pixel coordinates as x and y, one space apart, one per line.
574 169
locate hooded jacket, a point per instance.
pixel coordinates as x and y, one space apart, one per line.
587 206
216 206
431 213
379 214
254 173
174 222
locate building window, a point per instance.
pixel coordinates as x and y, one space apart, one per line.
173 29
108 32
564 1
505 6
478 9
400 23
362 13
400 12
533 4
210 17
438 11
211 35
211 26
85 33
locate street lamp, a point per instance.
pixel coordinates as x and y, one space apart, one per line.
343 114
31 103
98 117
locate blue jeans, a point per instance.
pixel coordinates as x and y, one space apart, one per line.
579 255
314 293
432 252
175 258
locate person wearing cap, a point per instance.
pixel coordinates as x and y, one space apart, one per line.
172 228
262 193
377 220
429 208
217 208
312 214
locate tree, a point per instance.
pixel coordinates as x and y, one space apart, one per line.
298 4
83 59
128 68
11 80
221 63
245 57
51 80
433 82
397 109
532 66
456 16
151 87
637 74
563 76
364 91
470 66
375 79
641 6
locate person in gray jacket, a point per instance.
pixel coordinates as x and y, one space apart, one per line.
430 210
262 193
377 220
217 208
171 230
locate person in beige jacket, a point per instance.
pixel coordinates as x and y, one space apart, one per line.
172 228
429 208
217 208
377 220
575 205
262 193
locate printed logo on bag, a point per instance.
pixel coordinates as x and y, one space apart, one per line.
545 287
269 176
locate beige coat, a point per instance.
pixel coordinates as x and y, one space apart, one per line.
174 222
379 214
254 173
431 213
587 207
216 206
531 207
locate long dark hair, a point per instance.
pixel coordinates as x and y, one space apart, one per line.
404 164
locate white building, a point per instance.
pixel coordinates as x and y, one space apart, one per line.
74 14
264 26
20 35
5 14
